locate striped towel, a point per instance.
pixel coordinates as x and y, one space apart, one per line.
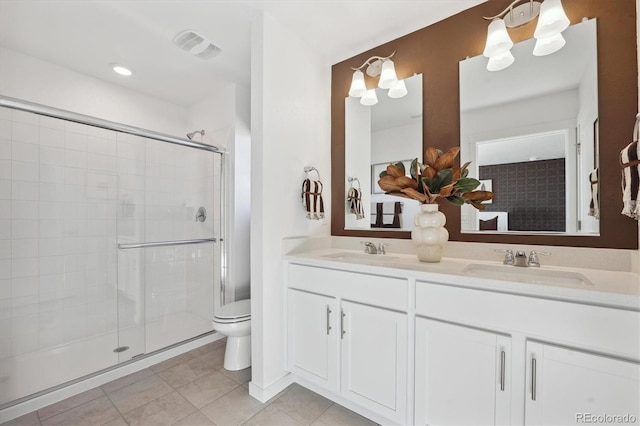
312 199
629 160
354 198
594 205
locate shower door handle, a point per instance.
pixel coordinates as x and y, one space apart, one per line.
166 243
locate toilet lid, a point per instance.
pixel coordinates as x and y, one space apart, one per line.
239 309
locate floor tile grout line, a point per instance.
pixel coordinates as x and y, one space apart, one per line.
327 409
40 419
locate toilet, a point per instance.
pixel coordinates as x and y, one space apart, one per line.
234 321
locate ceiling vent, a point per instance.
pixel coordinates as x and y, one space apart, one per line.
192 42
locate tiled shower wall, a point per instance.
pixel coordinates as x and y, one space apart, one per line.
533 193
69 193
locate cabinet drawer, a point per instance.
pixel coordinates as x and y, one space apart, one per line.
372 289
601 329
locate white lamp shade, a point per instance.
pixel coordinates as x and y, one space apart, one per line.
552 19
388 77
546 46
498 40
369 98
399 90
358 88
497 63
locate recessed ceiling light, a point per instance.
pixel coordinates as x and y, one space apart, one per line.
122 70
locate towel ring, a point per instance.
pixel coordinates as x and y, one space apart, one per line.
309 169
354 179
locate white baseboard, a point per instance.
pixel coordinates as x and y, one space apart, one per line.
263 395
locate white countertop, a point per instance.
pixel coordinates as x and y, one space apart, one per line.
600 287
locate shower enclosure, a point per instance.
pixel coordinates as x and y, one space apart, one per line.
110 245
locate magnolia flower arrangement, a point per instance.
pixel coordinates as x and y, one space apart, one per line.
438 178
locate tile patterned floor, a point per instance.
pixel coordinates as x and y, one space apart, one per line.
191 389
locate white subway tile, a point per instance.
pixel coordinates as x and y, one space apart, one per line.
5 169
5 248
5 129
25 117
51 174
23 132
27 247
74 176
51 123
52 138
52 265
51 155
5 149
75 159
24 267
50 228
5 209
5 291
6 113
75 141
5 269
21 170
98 162
24 210
21 190
50 210
24 229
109 135
5 229
5 189
70 126
24 286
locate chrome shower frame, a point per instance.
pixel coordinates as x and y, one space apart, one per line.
31 107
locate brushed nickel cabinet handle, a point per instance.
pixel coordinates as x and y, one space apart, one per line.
533 379
342 324
328 320
502 369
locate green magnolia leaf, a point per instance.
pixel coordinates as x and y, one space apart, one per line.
401 167
443 178
423 183
414 169
466 184
383 174
456 200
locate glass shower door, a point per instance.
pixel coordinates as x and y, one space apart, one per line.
168 228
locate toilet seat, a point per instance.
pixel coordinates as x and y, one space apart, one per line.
239 311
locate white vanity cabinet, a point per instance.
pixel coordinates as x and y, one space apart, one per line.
333 321
312 342
567 386
462 375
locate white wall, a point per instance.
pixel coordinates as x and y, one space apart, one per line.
290 113
34 80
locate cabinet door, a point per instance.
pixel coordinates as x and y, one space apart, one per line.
462 375
312 338
374 359
567 386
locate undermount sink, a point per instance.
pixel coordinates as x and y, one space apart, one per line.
528 275
359 257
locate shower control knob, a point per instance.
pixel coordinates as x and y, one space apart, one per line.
201 216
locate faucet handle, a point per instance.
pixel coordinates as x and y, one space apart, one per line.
369 247
533 258
381 247
508 256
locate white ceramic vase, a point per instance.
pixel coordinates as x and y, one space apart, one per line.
430 235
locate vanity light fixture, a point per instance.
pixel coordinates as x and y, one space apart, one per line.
376 66
548 33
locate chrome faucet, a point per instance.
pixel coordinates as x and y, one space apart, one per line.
508 256
533 258
369 247
520 259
